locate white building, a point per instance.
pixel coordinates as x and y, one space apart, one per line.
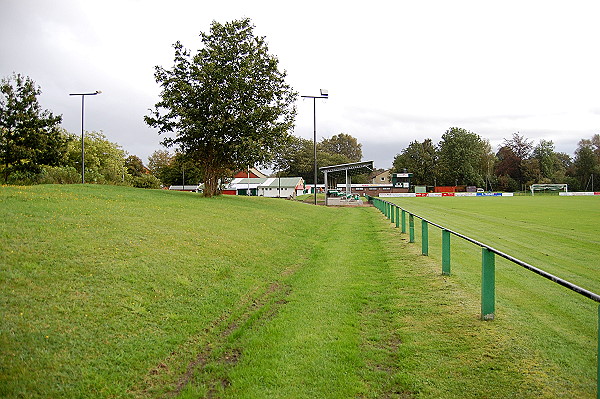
281 187
274 187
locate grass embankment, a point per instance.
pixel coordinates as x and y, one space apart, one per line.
556 234
117 292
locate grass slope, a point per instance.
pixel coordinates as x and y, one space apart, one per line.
119 292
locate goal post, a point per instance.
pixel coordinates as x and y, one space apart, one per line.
548 188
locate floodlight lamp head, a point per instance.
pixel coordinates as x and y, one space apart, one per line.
98 92
324 92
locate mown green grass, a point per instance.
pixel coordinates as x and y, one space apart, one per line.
116 292
120 292
101 282
556 234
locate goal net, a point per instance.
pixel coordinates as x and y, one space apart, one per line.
548 188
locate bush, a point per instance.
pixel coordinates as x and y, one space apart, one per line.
59 175
145 181
24 178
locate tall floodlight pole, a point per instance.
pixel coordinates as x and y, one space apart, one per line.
82 146
324 94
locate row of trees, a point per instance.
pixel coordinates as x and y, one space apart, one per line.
35 149
464 158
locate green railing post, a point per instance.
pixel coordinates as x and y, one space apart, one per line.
445 252
403 221
392 213
397 216
411 227
424 238
488 291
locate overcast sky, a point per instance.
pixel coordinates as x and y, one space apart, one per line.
396 71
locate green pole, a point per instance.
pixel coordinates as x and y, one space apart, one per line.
424 238
403 221
397 216
411 227
598 359
488 266
393 220
445 252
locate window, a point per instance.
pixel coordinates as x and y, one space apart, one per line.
359 188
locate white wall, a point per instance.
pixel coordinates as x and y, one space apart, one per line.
275 192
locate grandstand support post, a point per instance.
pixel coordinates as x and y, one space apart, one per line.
411 227
403 221
488 291
397 216
424 238
445 252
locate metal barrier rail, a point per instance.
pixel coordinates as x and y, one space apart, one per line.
392 212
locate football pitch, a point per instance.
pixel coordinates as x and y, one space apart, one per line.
556 234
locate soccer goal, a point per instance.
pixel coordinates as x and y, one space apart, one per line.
548 188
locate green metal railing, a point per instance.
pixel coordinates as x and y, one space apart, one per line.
488 262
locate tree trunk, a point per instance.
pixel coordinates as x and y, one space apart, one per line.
211 181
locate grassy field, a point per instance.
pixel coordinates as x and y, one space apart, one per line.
119 292
557 234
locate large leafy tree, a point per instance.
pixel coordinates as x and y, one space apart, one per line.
135 166
159 160
343 144
522 149
587 162
460 157
552 167
228 105
29 136
419 158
